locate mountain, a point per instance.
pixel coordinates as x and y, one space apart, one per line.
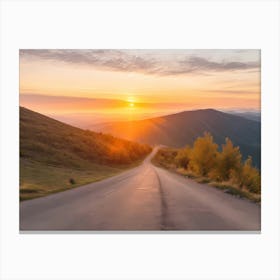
55 156
180 129
45 139
251 115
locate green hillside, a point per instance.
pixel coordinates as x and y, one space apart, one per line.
55 156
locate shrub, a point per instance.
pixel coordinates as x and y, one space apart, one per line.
248 177
183 157
72 181
203 155
228 161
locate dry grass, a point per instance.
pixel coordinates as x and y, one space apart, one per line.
232 189
39 179
56 157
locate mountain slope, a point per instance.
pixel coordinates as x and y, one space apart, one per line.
183 128
54 155
254 116
51 141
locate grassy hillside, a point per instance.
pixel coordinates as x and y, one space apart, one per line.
55 156
183 128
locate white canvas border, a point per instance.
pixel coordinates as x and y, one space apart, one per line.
143 24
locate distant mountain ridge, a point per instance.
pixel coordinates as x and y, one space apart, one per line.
251 115
180 129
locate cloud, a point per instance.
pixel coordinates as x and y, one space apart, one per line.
201 64
104 59
241 92
139 61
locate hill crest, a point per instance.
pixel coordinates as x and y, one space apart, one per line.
47 140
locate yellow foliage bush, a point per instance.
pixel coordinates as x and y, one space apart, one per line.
248 177
228 161
203 155
183 157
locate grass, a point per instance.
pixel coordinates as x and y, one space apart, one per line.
227 187
38 179
203 180
55 156
234 190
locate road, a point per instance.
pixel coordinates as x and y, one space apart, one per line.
143 198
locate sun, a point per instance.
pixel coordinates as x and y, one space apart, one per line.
131 102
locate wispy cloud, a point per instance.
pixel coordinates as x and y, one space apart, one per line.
241 92
202 64
141 62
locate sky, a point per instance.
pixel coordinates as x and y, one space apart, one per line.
149 81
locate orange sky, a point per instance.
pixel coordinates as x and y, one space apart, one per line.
186 78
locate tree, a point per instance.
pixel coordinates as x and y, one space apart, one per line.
203 155
249 177
228 161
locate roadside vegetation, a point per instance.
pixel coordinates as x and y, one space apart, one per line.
55 156
39 179
221 168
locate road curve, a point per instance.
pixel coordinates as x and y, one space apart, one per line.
143 198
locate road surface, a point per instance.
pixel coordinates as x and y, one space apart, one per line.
143 198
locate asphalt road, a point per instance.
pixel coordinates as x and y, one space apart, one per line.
143 198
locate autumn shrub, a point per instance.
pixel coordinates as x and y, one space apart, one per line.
183 157
248 177
203 155
228 161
